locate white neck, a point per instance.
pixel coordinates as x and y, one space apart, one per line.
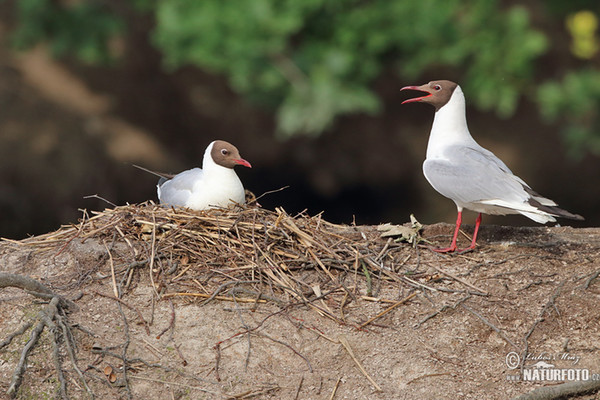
214 171
449 126
207 161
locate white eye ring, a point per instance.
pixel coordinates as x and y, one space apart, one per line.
224 152
437 87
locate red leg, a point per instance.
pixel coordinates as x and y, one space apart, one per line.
453 244
473 242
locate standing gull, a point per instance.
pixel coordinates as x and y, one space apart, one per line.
473 177
215 185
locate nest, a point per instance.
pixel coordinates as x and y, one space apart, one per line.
240 254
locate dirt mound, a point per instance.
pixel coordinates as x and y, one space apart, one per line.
249 303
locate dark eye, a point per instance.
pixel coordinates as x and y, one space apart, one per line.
437 87
224 152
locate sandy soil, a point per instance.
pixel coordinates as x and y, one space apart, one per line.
534 289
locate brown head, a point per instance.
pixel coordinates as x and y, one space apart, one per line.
227 155
438 93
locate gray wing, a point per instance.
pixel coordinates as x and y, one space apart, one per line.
177 191
475 175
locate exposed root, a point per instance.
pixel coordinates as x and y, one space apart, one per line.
49 317
561 391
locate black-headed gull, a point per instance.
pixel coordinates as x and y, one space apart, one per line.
473 177
215 185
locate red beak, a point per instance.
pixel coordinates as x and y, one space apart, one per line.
418 88
241 161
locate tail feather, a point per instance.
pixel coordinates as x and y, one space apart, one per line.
161 175
540 218
548 206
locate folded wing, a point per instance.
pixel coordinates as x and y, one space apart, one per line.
476 179
177 191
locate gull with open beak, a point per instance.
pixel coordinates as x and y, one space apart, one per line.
473 177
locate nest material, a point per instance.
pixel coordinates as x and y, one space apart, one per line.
239 254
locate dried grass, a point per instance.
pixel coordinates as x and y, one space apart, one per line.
240 254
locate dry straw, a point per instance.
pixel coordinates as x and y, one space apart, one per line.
243 254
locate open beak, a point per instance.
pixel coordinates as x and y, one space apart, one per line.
418 88
241 161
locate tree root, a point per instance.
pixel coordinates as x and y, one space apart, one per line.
44 315
560 391
53 317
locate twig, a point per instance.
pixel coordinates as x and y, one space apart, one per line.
112 271
217 348
120 301
310 368
488 323
16 333
245 325
563 390
588 281
456 278
171 322
95 196
272 191
539 319
214 297
145 378
217 291
71 353
427 376
368 278
387 310
124 353
314 256
441 310
249 394
418 284
346 345
335 388
152 255
299 387
183 360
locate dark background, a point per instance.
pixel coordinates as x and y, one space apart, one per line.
70 129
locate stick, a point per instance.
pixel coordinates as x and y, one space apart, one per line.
152 252
456 278
71 353
321 265
172 383
335 388
387 310
299 387
488 323
560 391
112 271
346 345
207 296
139 314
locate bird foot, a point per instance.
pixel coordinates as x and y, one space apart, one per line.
454 249
450 249
466 250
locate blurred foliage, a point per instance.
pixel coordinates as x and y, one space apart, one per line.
582 26
84 29
314 60
576 101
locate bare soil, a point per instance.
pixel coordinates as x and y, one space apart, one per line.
523 290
